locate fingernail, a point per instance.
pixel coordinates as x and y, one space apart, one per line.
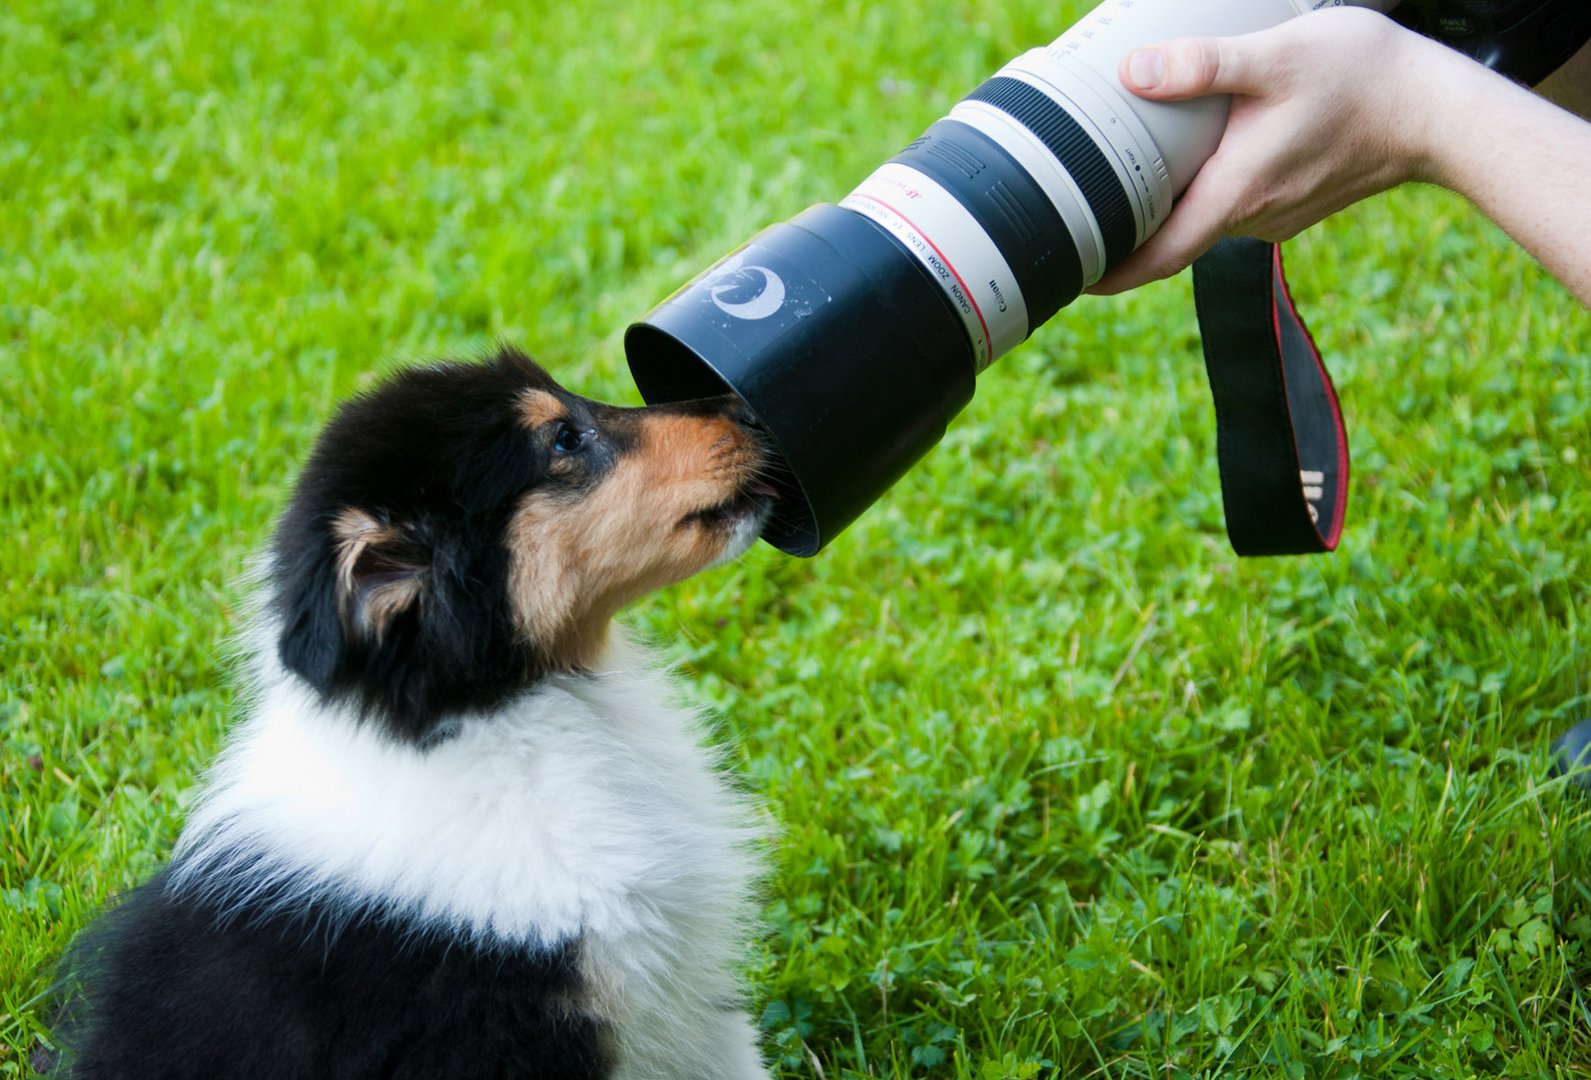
1147 68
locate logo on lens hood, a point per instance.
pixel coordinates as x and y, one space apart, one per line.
733 283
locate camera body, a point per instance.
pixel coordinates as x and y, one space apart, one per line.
1527 40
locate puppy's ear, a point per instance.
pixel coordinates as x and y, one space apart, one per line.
381 573
344 592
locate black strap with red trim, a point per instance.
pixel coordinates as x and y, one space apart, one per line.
1280 438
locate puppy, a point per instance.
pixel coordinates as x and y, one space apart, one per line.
462 830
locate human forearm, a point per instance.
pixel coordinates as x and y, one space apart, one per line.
1523 162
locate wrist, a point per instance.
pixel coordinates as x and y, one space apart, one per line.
1458 102
1434 80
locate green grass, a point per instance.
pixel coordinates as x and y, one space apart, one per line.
1063 786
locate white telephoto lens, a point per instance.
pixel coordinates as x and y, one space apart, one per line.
1054 141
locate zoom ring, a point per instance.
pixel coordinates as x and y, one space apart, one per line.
1024 225
1078 154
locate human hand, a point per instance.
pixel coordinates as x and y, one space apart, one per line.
1327 109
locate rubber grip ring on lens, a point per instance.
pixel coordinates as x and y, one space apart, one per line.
1078 154
1010 206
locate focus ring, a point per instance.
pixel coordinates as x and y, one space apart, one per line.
1010 206
1077 153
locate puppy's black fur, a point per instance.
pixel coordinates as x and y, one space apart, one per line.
250 999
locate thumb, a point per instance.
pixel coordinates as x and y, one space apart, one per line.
1192 67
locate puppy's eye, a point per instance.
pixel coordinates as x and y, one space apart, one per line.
569 439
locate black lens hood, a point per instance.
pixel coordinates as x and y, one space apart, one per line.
840 344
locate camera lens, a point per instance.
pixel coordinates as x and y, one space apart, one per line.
873 317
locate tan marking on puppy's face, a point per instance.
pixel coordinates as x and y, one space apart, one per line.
666 509
538 407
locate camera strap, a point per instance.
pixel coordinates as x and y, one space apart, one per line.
1280 439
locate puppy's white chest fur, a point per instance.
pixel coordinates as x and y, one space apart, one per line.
586 810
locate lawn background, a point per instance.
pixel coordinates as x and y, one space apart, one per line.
1064 787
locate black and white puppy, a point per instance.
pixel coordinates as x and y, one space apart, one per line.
463 830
